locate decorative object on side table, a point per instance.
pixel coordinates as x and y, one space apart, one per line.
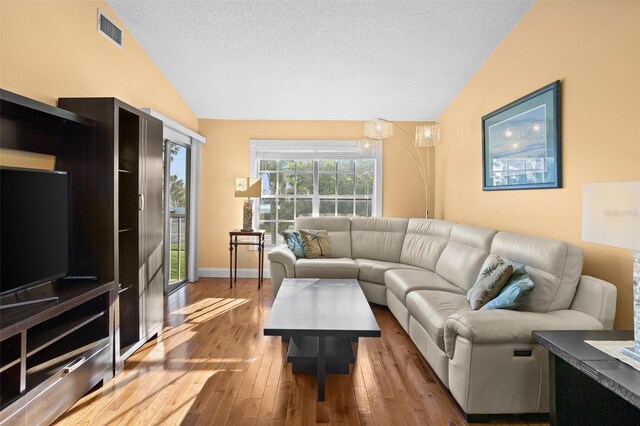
521 143
611 216
427 136
247 187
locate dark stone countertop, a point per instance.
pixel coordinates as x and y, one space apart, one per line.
620 378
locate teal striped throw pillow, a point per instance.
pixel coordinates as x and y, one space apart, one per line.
514 291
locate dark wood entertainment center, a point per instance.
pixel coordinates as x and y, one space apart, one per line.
132 155
51 354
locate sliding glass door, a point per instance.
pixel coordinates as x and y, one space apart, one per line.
177 227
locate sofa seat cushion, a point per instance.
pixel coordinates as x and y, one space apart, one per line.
373 270
342 267
403 281
432 308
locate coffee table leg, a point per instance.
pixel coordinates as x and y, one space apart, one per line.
321 367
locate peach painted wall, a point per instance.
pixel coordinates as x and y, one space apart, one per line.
593 47
226 155
52 49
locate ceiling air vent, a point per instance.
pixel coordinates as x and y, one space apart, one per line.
109 29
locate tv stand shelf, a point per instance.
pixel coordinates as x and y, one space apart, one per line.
50 346
70 294
44 338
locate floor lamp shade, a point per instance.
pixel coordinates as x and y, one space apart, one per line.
427 135
611 216
378 129
247 187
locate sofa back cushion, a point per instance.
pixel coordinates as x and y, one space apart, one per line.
339 229
377 238
554 267
425 241
466 251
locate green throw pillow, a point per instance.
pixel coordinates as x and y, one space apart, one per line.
514 292
316 243
491 280
294 242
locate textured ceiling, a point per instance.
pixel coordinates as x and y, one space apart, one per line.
323 60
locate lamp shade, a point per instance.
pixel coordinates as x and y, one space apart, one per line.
427 135
611 214
369 147
378 129
247 187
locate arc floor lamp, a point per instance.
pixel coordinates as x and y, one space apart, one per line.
426 136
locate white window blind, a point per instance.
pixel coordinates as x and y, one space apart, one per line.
302 150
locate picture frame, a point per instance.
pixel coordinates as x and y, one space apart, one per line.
521 143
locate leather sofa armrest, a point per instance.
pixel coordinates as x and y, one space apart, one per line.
506 326
597 298
282 254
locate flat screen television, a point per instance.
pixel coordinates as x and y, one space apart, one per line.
34 227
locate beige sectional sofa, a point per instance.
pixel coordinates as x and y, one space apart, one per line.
422 268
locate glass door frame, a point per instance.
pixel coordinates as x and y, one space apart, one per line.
170 287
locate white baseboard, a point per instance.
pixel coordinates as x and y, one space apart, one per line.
224 273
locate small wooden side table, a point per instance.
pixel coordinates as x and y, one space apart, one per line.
233 260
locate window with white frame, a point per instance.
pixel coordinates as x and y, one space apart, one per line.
313 178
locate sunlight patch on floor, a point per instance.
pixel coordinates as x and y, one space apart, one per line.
208 308
196 306
217 360
157 355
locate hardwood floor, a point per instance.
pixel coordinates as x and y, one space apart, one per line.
213 366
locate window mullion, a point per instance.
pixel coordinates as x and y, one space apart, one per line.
295 191
335 191
353 193
277 191
315 203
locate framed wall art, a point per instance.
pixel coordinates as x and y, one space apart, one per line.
521 146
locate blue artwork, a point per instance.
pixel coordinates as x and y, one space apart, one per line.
521 143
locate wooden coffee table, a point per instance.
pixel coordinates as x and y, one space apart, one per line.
321 318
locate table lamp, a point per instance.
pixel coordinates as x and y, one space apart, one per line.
247 187
611 216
